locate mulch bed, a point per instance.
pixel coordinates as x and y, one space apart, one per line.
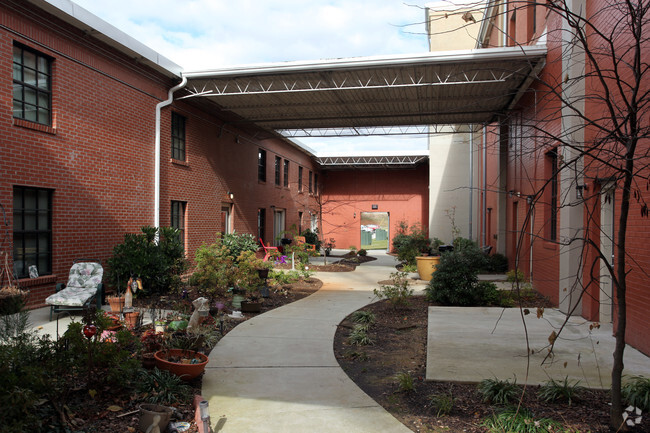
400 338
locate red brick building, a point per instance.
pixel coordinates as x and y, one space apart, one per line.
79 132
551 227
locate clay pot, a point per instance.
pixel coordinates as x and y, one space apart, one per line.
184 368
131 319
116 303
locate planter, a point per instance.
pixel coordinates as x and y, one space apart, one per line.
148 414
236 301
186 364
427 266
116 303
148 361
251 307
131 319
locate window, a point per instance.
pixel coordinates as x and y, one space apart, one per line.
261 165
552 175
178 137
32 230
32 86
261 223
178 219
311 182
315 183
286 173
278 161
299 179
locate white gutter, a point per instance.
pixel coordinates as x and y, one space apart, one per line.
159 106
437 58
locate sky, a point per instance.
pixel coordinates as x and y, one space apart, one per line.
209 34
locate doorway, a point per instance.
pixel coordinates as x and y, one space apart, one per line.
226 218
375 230
278 225
607 215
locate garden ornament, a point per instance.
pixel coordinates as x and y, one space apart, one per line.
200 305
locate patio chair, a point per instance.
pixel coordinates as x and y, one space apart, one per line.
84 285
267 250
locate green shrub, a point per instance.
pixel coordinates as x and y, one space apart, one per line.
159 263
496 263
311 237
217 268
442 403
362 252
497 391
162 387
405 381
410 242
397 293
455 281
553 391
238 243
281 278
636 392
363 317
359 336
520 421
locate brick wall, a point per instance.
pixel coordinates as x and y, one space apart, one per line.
403 193
98 155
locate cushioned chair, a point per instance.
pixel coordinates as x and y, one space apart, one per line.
84 285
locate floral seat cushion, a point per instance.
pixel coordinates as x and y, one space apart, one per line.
72 296
82 285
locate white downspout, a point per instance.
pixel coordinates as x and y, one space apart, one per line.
159 106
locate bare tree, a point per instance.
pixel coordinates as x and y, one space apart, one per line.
588 112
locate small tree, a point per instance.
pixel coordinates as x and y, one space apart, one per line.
156 256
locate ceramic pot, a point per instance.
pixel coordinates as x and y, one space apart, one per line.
148 412
184 367
427 266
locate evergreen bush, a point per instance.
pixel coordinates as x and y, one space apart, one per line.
156 255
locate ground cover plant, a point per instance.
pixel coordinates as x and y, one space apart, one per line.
400 338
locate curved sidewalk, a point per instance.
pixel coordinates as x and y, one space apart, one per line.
277 372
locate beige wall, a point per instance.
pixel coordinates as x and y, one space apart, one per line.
450 191
453 25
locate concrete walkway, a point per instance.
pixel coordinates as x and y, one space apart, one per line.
277 372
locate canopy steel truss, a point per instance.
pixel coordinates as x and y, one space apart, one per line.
370 96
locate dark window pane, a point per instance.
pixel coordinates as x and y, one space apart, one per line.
32 230
32 98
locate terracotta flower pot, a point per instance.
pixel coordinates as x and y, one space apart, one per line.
131 319
116 303
427 266
179 362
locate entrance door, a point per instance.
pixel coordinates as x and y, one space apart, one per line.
375 230
226 218
607 214
278 225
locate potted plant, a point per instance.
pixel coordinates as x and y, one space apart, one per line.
184 363
429 259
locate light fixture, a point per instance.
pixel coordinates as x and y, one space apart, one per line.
231 195
355 215
580 189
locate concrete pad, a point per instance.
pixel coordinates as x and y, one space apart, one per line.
472 344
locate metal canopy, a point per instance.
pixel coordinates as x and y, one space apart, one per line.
397 160
352 96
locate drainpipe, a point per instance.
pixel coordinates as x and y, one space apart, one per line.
471 178
159 106
484 185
